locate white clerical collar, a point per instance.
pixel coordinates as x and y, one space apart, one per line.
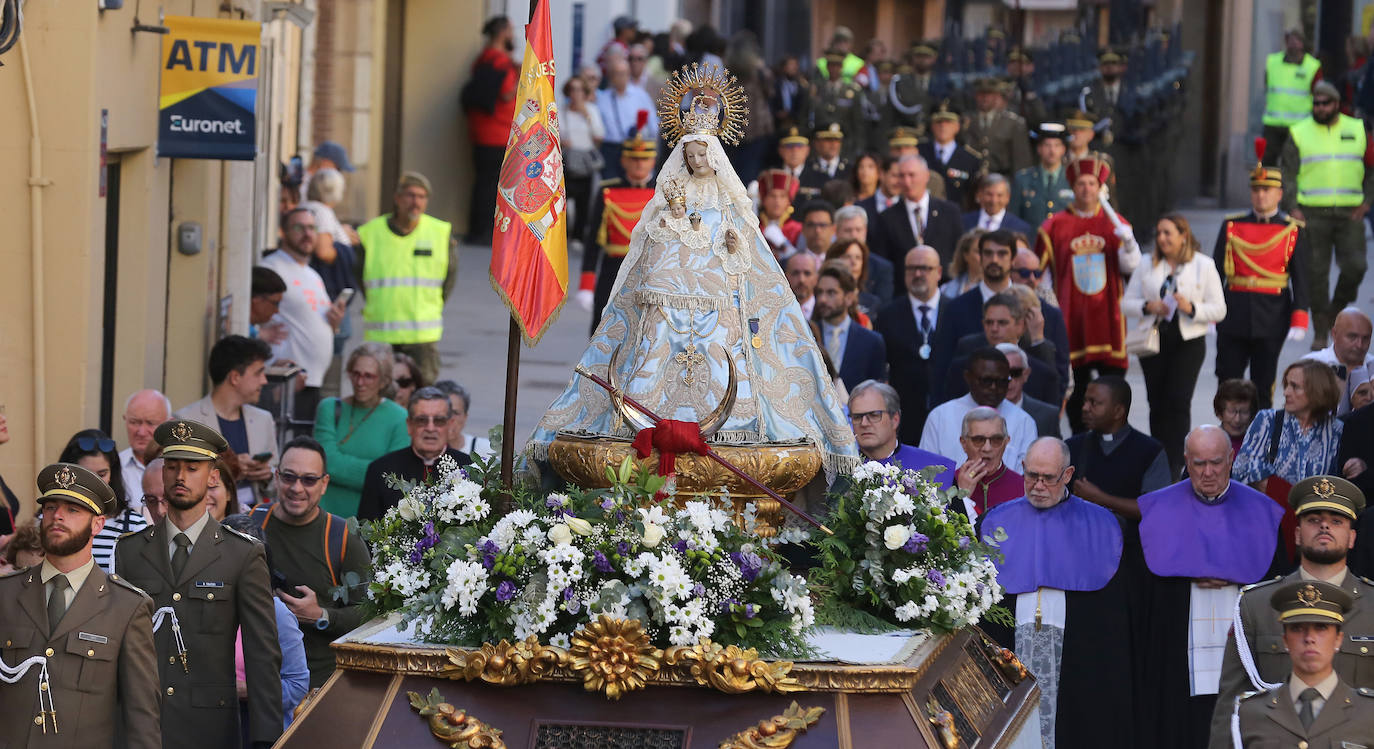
1210 500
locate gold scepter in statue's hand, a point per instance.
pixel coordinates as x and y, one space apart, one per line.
618 394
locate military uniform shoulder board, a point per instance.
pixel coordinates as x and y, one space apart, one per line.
973 151
1299 222
1015 117
1236 216
240 534
1261 584
117 580
126 534
612 182
1365 580
12 573
1251 695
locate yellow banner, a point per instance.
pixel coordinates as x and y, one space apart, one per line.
204 53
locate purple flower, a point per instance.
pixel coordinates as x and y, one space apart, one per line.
750 611
505 591
917 543
489 547
964 542
980 588
936 577
568 593
552 502
623 548
681 546
416 556
488 560
749 563
607 503
698 590
601 563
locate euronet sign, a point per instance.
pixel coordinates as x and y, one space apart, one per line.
208 103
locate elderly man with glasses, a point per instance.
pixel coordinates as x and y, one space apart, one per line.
986 478
427 421
1327 183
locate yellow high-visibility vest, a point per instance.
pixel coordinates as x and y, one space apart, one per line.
1331 171
1288 89
404 281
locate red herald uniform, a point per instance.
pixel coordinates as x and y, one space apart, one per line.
1082 254
1263 264
781 179
615 211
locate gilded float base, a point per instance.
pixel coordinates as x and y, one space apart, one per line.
784 468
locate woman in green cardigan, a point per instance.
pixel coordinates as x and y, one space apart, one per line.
359 429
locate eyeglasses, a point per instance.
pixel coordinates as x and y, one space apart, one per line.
992 382
1236 413
1047 479
979 440
867 416
921 268
405 382
149 499
364 376
1029 272
103 444
437 421
286 478
1017 372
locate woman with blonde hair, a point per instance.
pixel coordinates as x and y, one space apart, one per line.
1179 294
361 428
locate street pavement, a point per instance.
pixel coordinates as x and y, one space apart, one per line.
476 324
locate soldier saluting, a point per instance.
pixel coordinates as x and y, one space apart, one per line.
216 581
95 630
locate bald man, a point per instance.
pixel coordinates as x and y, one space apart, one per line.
1348 353
907 325
143 411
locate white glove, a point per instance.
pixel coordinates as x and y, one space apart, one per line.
584 299
774 235
1125 234
1297 334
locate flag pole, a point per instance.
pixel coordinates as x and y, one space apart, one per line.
512 386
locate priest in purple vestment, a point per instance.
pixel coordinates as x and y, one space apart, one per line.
1061 570
876 411
986 478
1202 538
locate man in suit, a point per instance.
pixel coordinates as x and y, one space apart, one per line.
428 413
994 193
1038 191
907 325
999 134
1314 706
857 352
889 191
965 314
1046 415
825 163
1004 322
960 166
1327 507
851 222
215 580
237 367
95 630
918 218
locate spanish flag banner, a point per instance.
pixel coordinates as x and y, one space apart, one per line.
529 253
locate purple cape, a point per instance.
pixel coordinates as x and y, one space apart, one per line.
1232 540
914 459
1074 545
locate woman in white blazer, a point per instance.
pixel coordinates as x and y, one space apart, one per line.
1178 290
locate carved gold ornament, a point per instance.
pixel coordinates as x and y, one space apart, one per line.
1309 595
613 656
1006 662
181 431
65 478
1324 488
732 670
777 732
942 721
453 726
507 664
718 105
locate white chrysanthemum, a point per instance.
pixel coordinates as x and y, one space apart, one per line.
467 582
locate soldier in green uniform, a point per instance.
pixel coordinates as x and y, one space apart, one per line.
215 580
95 630
842 102
959 165
1000 135
912 90
1256 655
1022 98
1314 706
1040 190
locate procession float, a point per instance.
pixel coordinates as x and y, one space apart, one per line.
641 594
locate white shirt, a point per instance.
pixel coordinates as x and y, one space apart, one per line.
192 533
882 200
933 313
326 221
943 426
830 166
988 292
918 212
579 130
808 306
132 472
993 222
619 112
1354 377
309 337
944 151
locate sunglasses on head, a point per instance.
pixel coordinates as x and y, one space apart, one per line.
103 444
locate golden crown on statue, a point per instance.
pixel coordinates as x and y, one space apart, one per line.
717 105
675 191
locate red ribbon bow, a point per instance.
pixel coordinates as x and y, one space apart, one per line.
670 438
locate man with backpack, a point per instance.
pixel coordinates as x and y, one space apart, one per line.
321 566
488 100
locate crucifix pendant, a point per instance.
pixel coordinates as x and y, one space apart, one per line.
690 359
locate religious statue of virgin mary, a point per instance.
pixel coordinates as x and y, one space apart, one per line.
701 324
